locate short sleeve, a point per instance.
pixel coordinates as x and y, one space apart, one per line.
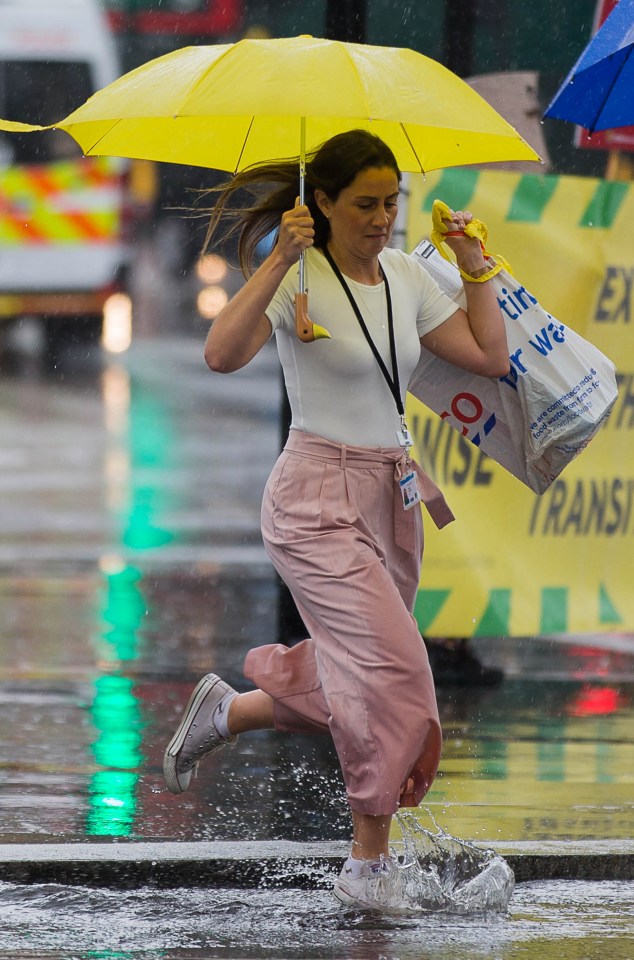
435 306
281 309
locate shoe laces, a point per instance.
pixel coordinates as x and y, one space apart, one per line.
208 743
383 881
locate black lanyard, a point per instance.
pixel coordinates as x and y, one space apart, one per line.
392 381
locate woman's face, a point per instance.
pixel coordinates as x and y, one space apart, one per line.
362 217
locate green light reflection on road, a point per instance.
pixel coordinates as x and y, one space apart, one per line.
115 710
137 456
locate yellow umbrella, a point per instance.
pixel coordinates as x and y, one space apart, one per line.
231 105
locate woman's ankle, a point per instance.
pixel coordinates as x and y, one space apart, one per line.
364 851
250 711
370 836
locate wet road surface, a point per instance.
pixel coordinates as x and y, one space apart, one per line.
556 920
130 564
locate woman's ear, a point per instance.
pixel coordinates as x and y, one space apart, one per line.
322 201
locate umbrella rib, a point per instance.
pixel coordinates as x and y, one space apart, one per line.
418 160
356 74
201 79
244 143
609 91
98 140
362 87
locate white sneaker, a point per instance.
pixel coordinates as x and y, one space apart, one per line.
378 887
196 736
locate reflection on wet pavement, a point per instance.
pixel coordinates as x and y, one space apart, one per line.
96 672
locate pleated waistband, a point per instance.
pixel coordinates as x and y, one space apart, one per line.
319 448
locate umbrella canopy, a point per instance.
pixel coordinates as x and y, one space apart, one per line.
598 93
231 105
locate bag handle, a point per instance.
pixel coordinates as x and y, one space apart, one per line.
476 228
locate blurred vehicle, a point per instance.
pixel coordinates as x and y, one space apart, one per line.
64 218
193 19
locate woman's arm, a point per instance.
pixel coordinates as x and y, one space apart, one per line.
242 328
474 339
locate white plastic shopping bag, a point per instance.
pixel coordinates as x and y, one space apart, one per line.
559 392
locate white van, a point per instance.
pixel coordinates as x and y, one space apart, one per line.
62 216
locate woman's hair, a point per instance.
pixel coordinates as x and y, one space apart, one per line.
274 187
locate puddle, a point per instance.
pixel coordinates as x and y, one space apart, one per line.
546 921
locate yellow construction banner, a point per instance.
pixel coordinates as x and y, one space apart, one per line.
515 563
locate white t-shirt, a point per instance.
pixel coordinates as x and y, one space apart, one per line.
335 387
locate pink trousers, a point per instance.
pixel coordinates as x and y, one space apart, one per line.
335 529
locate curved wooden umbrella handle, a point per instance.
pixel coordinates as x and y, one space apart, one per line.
307 331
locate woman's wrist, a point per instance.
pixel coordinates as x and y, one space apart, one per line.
277 262
473 270
481 274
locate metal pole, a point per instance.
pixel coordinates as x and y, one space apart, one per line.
302 192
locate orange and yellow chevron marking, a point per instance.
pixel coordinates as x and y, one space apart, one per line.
67 202
100 172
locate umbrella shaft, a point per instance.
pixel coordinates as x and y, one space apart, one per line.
302 192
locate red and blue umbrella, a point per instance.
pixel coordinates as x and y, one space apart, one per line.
598 93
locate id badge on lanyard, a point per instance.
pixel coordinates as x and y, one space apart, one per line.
407 483
410 493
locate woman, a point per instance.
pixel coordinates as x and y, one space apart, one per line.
335 517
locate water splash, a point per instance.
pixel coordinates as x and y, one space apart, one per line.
442 873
